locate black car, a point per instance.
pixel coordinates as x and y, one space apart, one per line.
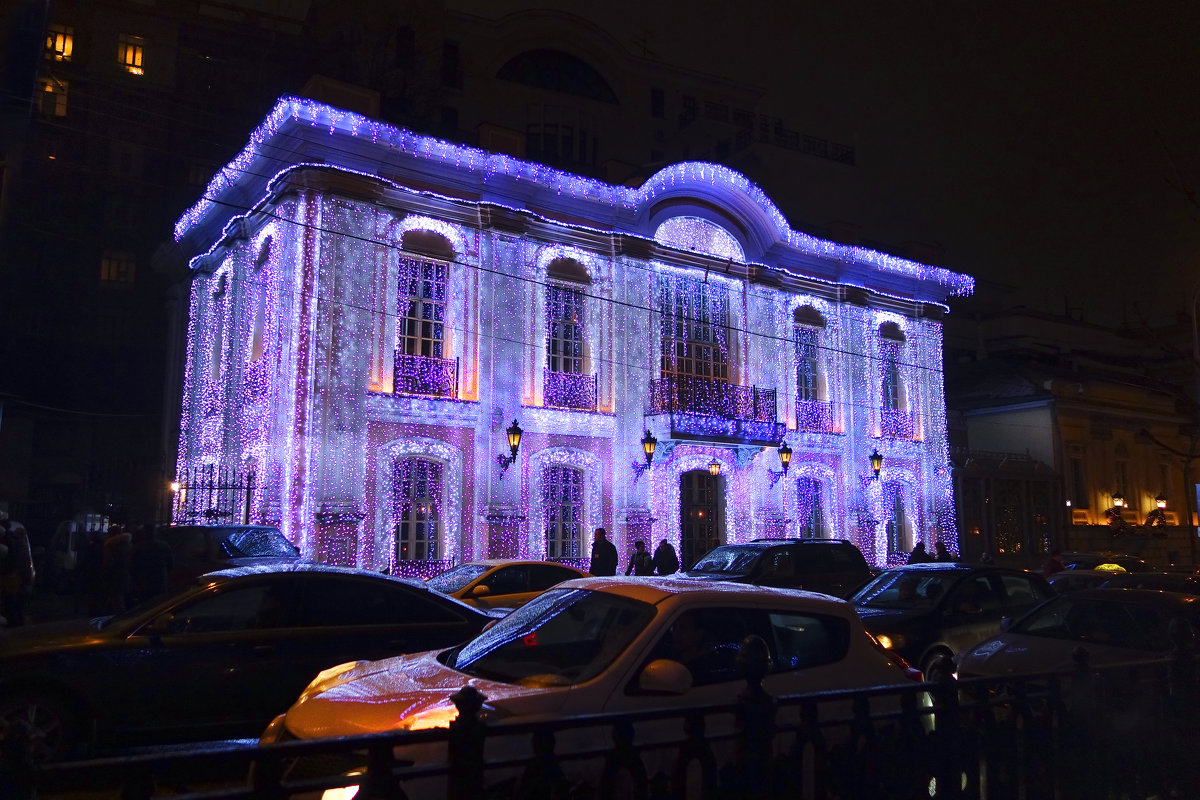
1128 562
924 611
1183 583
197 549
217 659
831 566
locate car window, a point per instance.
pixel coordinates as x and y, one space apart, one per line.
706 641
803 640
508 580
779 564
844 557
256 607
562 637
332 601
257 543
731 559
543 576
455 579
903 589
975 595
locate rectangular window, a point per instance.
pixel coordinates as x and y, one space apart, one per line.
1079 496
420 367
60 41
564 329
562 500
806 363
52 97
130 52
452 65
118 267
695 336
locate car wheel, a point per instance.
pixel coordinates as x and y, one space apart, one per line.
46 720
938 660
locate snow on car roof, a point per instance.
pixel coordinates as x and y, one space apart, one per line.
654 589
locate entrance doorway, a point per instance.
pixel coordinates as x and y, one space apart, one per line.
701 515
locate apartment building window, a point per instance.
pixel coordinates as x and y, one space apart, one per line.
52 97
423 284
562 500
130 52
452 65
564 334
417 508
695 337
1080 497
60 41
560 136
118 267
811 509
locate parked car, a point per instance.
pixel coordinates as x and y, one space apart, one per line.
830 566
502 583
1127 562
600 645
197 549
1112 625
1072 580
1162 581
218 658
926 611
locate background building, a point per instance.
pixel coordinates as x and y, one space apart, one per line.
372 307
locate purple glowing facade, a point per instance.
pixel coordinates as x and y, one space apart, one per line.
360 340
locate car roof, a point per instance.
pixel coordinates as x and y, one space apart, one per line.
1142 596
502 562
655 590
306 567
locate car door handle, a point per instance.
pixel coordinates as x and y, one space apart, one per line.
264 650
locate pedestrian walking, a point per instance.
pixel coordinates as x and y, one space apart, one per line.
16 571
666 562
114 569
150 564
604 555
918 555
640 563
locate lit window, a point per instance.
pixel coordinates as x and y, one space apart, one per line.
59 42
130 50
52 97
417 504
562 499
118 267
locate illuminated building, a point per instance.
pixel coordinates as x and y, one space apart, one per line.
373 308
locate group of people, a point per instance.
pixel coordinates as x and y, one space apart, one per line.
604 561
920 555
125 565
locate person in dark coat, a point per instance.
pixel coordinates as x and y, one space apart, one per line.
640 563
942 553
604 555
150 564
918 555
666 562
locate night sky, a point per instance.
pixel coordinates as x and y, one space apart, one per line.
1048 148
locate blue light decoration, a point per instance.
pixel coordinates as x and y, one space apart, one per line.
359 352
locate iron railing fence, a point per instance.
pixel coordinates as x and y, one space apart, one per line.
1083 734
695 395
211 495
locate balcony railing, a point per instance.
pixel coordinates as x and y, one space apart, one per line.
426 375
814 416
690 395
569 390
895 424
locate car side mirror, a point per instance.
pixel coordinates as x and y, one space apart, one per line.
664 676
480 591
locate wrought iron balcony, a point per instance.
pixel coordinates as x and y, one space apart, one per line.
707 407
894 424
814 416
569 390
426 376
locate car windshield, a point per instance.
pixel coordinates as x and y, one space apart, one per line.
1101 622
257 543
561 638
452 580
728 558
903 589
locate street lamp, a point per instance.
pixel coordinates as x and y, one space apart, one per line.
876 462
513 432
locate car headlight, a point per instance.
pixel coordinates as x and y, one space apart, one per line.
892 641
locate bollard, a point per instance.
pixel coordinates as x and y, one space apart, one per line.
465 757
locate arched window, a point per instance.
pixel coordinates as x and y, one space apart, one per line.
897 523
417 504
559 72
562 503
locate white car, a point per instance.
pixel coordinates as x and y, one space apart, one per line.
601 645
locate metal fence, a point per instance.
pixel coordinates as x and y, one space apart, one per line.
1097 734
213 495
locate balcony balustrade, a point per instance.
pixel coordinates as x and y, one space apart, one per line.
814 416
707 407
426 376
894 424
569 390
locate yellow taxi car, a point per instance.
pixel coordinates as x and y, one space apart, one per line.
501 583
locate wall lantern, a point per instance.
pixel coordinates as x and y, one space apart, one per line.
513 432
785 458
876 462
174 486
1161 500
714 468
1119 499
649 443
